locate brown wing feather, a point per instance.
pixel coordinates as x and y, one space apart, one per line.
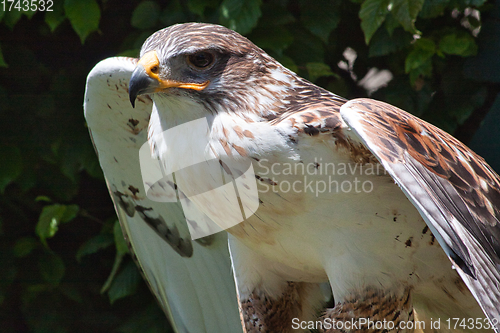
440 153
455 190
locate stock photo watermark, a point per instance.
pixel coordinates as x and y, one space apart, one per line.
316 177
215 193
27 5
389 325
218 192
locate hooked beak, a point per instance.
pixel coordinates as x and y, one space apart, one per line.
145 79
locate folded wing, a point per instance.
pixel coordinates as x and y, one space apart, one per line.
455 190
191 280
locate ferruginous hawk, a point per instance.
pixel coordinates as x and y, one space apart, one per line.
399 217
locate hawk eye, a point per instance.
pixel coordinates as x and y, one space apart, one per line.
201 60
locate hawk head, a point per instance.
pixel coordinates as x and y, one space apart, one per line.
209 64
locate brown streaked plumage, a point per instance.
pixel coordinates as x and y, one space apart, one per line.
464 191
392 307
441 154
264 314
367 243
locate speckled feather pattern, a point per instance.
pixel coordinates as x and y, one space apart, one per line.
375 249
370 303
251 93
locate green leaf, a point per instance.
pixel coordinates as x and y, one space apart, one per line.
424 69
121 251
318 69
145 15
433 8
383 44
305 47
29 13
198 6
11 166
51 268
93 245
423 49
419 61
116 266
391 23
406 12
24 246
11 17
320 17
55 17
51 217
173 13
277 42
125 283
48 222
43 198
70 213
372 15
121 244
460 43
240 15
84 16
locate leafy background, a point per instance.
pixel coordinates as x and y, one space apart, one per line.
64 264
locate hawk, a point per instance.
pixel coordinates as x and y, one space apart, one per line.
397 217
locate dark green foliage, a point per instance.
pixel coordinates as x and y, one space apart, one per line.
64 264
84 16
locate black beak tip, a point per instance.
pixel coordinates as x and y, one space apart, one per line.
133 89
132 100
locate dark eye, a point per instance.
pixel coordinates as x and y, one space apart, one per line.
201 60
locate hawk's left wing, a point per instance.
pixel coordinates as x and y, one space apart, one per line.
455 191
191 280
